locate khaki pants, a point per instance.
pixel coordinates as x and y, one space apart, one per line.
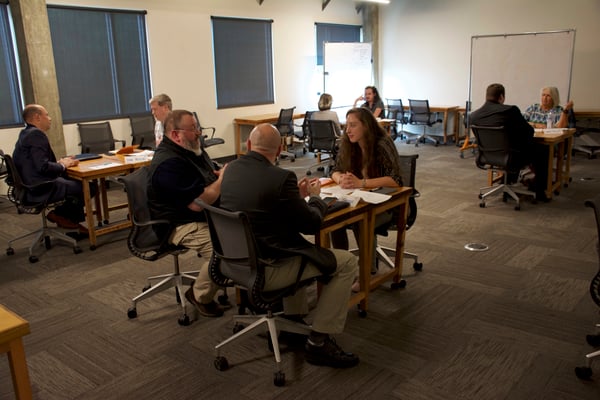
332 308
196 236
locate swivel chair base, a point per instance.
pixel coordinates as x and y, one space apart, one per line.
175 279
507 191
45 235
274 322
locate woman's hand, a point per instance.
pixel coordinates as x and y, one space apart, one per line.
349 181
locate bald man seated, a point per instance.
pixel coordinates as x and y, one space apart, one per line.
273 198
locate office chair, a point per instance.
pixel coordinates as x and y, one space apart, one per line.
322 139
408 166
142 131
496 154
285 126
17 193
144 243
301 135
236 258
97 137
395 111
420 114
587 136
593 340
205 140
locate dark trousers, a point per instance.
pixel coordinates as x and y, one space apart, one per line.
72 192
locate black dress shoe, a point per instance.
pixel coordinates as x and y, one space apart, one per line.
541 196
329 354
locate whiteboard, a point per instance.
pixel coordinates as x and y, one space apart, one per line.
524 63
347 69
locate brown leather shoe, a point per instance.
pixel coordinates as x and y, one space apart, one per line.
211 309
61 221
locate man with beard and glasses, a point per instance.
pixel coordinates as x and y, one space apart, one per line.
181 174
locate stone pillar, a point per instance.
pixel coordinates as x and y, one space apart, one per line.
370 23
36 61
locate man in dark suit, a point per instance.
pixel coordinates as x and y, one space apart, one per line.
37 163
495 113
274 201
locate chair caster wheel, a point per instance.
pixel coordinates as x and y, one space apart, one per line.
462 155
77 250
10 251
480 196
418 266
279 379
148 286
33 259
362 313
221 363
93 247
517 208
593 340
184 320
47 242
583 373
482 204
399 285
132 313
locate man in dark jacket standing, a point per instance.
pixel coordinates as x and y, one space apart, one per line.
274 201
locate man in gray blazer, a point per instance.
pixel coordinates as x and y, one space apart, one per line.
274 201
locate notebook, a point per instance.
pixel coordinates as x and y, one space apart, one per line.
87 156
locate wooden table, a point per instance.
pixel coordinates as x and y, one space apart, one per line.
98 170
251 121
364 214
446 110
12 330
561 175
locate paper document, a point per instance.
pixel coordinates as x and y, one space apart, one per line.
353 195
105 165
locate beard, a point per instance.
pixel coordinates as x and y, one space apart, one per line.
193 146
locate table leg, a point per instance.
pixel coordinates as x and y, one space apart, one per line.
18 369
445 126
550 171
559 167
238 138
567 172
89 212
105 211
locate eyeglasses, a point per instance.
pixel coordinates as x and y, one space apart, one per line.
193 130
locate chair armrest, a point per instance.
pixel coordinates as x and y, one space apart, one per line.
208 128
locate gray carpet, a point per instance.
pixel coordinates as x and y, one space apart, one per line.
507 323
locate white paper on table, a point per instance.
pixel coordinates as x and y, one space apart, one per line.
105 165
371 197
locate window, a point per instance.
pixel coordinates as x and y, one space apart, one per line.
243 57
10 98
335 33
101 62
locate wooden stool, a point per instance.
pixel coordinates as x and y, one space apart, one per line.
12 329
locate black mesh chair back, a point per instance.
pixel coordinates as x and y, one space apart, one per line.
395 111
304 133
419 112
494 146
142 131
285 121
322 136
143 241
97 137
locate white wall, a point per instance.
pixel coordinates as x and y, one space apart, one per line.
426 44
424 50
181 57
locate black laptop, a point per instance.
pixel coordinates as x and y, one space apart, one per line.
87 156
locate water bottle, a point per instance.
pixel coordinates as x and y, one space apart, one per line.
550 120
